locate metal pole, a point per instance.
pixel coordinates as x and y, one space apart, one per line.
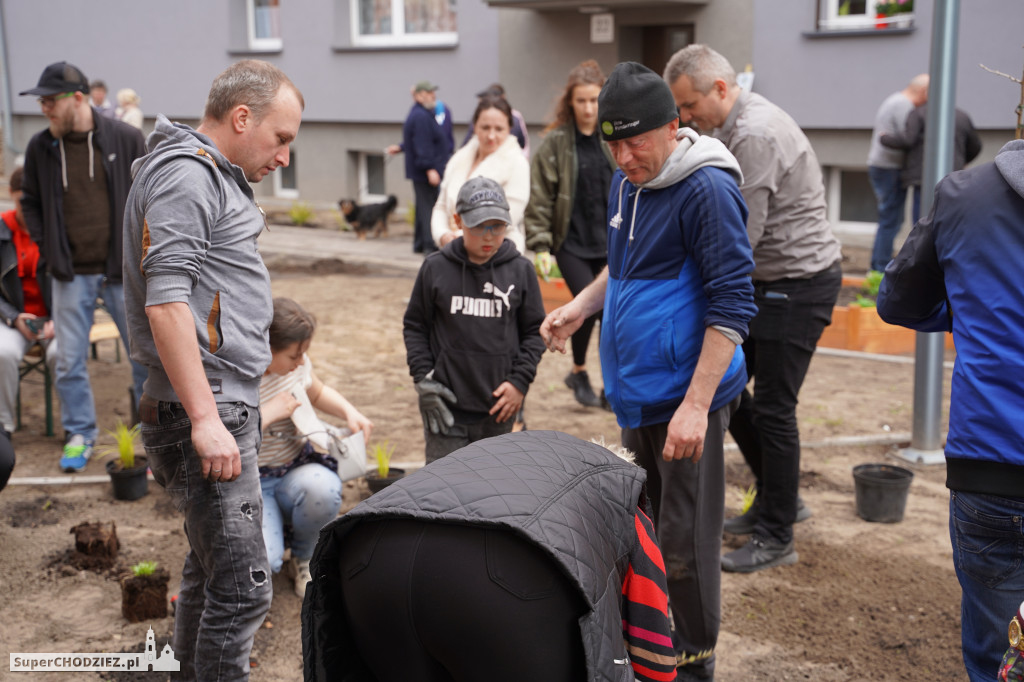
5 93
926 442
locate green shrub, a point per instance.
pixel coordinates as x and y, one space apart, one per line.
301 213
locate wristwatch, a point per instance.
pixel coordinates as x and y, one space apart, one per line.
1017 629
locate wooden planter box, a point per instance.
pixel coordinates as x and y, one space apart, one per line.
555 293
856 328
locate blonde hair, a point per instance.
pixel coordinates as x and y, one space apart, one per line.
126 96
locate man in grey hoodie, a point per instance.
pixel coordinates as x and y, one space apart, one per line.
199 307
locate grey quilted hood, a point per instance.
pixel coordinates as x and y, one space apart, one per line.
573 499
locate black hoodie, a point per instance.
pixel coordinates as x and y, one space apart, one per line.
475 326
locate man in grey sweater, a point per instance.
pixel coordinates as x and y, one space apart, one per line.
885 165
199 306
796 280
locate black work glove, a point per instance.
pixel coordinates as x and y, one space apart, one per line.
433 394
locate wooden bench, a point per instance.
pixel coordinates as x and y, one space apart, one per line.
35 361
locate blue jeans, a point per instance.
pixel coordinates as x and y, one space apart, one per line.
987 533
225 583
891 197
74 304
308 497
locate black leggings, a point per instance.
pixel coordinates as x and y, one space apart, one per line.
578 273
6 460
436 602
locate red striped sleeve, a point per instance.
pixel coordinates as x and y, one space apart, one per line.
645 620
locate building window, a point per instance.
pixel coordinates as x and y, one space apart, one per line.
371 177
851 201
853 15
264 24
403 22
286 185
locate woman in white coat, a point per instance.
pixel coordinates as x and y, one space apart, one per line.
491 153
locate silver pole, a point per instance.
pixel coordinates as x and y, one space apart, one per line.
5 93
926 442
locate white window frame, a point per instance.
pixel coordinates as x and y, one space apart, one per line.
833 198
831 20
260 43
280 191
365 196
398 36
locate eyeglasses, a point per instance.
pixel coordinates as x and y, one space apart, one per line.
50 100
479 230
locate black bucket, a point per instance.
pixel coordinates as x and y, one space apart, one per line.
881 491
129 484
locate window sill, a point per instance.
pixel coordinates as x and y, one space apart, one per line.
397 47
858 32
247 51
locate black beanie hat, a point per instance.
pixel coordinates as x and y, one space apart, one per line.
634 100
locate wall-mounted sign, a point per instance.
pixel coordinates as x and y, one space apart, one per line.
602 28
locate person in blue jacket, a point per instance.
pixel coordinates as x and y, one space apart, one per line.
677 299
959 271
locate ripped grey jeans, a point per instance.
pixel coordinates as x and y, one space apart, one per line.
225 584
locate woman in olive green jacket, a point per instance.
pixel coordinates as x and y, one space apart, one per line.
570 175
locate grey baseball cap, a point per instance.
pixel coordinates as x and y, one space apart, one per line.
482 199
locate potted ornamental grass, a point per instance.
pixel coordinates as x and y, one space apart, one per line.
385 474
127 470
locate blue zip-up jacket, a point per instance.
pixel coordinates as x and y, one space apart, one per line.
679 261
959 271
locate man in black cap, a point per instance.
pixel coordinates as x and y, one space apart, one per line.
677 299
797 276
77 176
427 147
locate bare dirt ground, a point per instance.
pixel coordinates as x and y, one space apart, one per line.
866 601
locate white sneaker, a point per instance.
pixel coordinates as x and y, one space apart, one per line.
300 574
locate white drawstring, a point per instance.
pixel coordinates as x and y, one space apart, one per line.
63 164
92 161
64 161
632 222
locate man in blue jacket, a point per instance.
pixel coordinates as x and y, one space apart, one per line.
427 144
959 271
677 299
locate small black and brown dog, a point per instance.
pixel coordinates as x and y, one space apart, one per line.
368 217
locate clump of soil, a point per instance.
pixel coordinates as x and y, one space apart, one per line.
144 597
96 547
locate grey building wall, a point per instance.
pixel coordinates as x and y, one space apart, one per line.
838 81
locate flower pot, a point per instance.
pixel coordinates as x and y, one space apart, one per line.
375 483
881 24
129 484
144 597
881 491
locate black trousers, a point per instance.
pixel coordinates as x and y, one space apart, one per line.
578 273
791 315
426 197
436 602
6 460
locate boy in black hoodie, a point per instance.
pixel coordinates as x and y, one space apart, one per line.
472 328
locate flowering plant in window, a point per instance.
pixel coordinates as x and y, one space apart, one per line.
888 9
